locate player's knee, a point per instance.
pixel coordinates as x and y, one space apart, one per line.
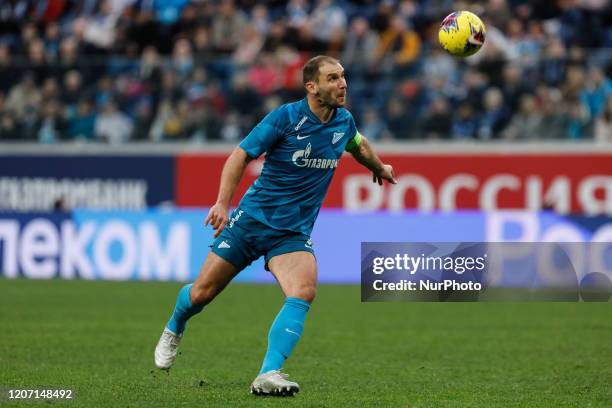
202 294
306 292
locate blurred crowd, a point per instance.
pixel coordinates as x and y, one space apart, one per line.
118 71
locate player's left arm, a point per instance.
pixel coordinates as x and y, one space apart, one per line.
362 151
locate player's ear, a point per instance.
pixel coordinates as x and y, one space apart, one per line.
311 87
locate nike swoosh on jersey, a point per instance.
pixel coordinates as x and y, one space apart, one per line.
302 137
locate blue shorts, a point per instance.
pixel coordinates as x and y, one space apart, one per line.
244 239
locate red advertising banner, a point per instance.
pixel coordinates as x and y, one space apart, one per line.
198 176
565 182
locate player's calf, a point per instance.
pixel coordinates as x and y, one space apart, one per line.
203 294
306 292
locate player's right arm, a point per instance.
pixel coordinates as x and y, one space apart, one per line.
259 140
230 177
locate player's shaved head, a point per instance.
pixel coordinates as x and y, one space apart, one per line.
312 67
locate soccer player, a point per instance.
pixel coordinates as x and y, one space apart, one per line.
303 142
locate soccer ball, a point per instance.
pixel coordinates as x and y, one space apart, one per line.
462 33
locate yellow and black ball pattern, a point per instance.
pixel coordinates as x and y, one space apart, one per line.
462 33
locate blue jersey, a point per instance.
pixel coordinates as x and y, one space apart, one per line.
302 154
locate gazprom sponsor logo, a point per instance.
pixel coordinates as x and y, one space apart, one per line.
321 163
301 158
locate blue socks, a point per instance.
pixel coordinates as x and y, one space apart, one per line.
282 338
183 311
285 333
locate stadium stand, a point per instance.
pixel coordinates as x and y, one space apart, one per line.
162 71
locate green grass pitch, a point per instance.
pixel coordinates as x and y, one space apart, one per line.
98 338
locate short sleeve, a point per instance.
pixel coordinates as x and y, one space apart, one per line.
264 135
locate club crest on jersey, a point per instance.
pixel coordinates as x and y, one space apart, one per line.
301 158
337 136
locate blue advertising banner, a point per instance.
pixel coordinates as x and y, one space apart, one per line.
41 183
172 244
